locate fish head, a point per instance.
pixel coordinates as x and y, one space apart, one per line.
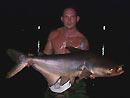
115 71
108 72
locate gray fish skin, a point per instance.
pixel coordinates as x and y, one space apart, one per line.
78 63
60 64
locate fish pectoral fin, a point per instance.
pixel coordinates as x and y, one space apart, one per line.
64 79
85 73
73 50
50 77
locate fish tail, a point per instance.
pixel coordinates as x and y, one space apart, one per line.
20 60
14 55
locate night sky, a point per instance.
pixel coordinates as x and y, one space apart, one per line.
19 21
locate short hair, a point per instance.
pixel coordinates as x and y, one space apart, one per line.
69 8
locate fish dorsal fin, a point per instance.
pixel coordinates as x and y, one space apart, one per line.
73 50
64 79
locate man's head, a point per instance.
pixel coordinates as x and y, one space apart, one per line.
69 18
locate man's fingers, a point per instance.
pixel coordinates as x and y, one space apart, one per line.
92 76
30 62
30 54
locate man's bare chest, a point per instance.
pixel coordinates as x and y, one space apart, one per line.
61 41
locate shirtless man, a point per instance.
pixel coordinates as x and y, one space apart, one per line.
68 35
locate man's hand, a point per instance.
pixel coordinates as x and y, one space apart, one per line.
92 76
30 54
30 62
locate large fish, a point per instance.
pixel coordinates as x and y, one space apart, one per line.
78 63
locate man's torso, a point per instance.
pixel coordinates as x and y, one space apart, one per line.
60 41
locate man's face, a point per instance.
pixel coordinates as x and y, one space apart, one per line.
69 18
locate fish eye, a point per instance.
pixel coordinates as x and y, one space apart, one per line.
119 69
111 69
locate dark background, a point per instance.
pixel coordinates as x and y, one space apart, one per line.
19 21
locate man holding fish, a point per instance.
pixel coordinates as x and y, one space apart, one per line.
67 57
68 35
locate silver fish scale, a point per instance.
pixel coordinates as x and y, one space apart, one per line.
59 66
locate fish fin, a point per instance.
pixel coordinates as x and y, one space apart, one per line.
50 77
73 50
16 69
85 73
15 55
64 79
18 57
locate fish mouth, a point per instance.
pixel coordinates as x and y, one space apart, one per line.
116 71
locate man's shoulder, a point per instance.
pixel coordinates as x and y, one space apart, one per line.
55 33
81 35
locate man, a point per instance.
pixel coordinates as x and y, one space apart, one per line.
68 35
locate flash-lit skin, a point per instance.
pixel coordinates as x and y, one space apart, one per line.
70 19
68 35
57 42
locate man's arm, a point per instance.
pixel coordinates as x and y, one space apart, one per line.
49 49
84 45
